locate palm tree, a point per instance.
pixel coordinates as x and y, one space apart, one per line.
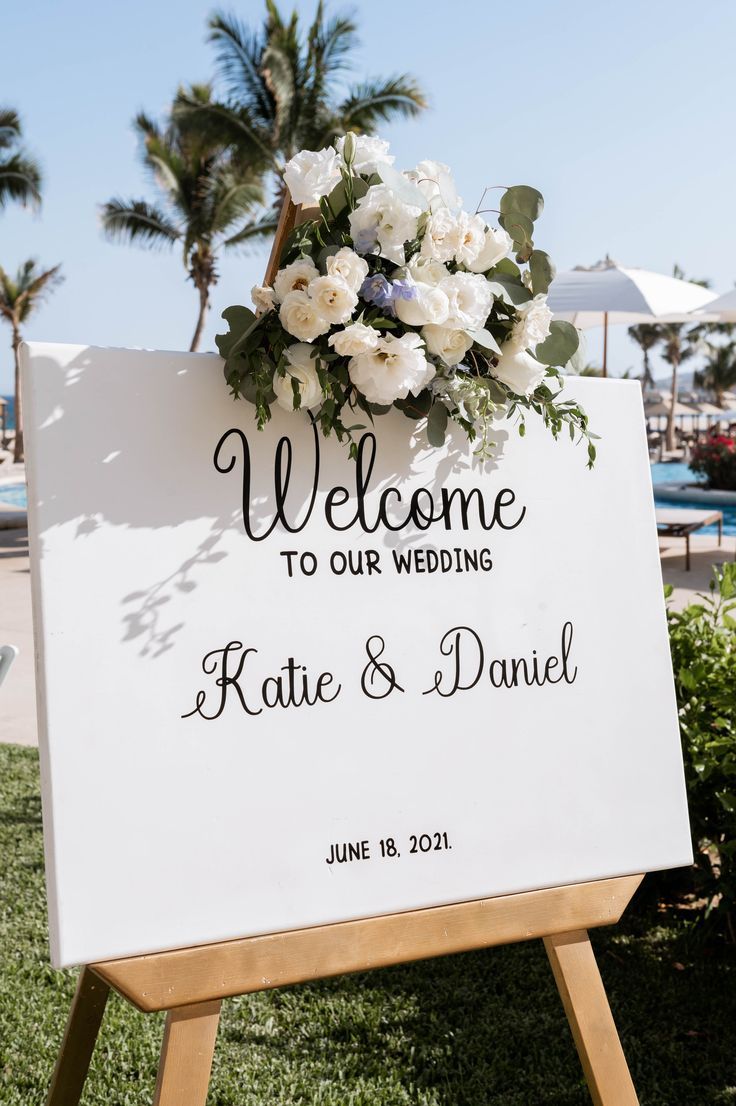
678 346
718 374
285 89
19 298
647 336
20 176
208 191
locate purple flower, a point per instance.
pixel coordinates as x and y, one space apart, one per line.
376 289
383 293
403 290
366 240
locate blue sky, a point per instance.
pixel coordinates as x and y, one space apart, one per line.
622 115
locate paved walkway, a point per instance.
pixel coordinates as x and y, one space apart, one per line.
17 695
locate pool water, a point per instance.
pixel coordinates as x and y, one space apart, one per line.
13 495
677 472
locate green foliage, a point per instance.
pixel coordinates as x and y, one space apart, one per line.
542 271
285 87
560 346
210 197
715 458
703 644
20 174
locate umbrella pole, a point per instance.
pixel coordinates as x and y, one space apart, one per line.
605 343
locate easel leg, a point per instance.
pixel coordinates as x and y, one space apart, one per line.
186 1055
593 1028
80 1035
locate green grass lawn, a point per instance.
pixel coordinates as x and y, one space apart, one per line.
480 1029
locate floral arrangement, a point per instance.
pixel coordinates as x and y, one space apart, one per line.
715 457
393 295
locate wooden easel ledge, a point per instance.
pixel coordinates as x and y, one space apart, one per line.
166 980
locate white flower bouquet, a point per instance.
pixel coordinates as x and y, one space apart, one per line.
394 295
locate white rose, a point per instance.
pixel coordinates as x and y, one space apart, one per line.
519 370
263 298
312 174
434 179
497 245
396 367
370 153
382 218
294 278
333 298
471 238
301 368
430 305
533 324
300 316
450 345
347 264
354 340
442 236
470 299
426 270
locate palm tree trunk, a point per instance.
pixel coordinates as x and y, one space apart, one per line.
203 305
670 433
18 444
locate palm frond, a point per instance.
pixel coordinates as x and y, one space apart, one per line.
253 232
228 125
138 221
10 128
22 294
238 57
280 79
378 101
232 199
20 180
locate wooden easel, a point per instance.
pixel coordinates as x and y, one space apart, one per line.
190 984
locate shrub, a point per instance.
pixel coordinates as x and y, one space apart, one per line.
716 458
703 644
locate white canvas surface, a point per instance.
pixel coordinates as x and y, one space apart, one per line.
165 831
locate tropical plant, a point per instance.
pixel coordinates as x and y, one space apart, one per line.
210 198
20 175
718 374
715 457
646 336
285 91
20 296
703 645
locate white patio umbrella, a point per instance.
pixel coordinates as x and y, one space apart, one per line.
723 308
607 293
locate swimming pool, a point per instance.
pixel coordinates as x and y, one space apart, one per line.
673 472
13 495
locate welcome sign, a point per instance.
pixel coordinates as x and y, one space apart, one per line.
279 687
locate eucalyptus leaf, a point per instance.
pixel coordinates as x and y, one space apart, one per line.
415 407
510 290
560 346
524 200
507 267
241 321
337 199
437 424
542 271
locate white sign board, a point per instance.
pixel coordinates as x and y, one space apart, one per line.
279 688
